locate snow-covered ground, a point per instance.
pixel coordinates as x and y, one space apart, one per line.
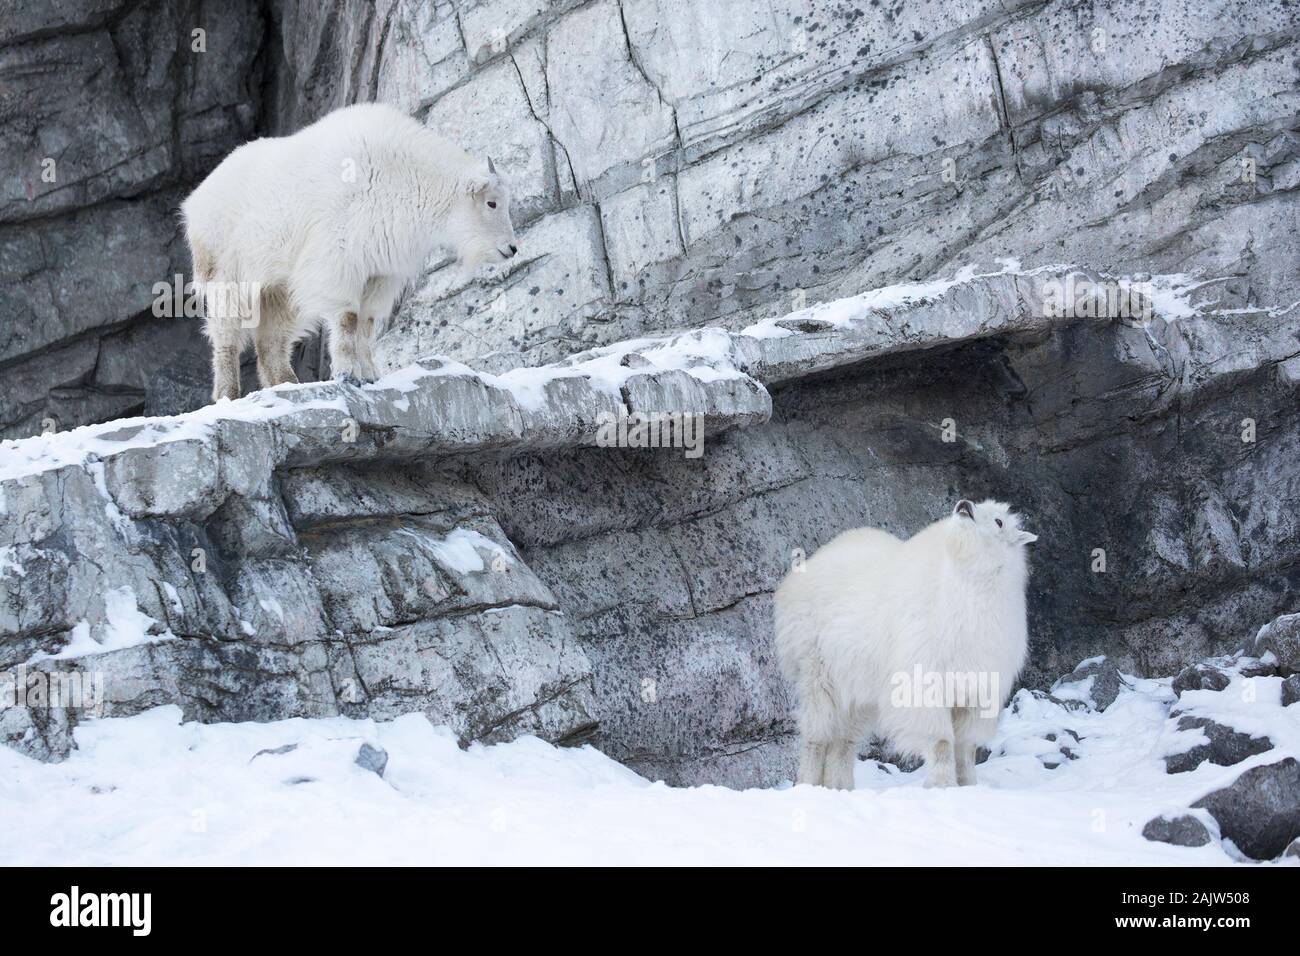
153 790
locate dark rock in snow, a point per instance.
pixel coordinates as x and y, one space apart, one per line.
43 733
1225 748
1253 667
1291 690
884 752
374 759
1183 830
1064 743
1260 810
287 748
1051 699
1281 637
1106 682
1200 677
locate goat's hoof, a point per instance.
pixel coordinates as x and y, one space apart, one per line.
347 378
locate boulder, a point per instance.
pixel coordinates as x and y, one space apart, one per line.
1225 746
1281 638
1200 677
1291 690
1182 830
1096 682
372 758
1260 810
1253 667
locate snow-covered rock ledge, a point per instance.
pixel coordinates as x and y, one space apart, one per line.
188 464
249 561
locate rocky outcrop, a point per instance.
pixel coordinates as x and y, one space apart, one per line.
457 542
714 163
674 165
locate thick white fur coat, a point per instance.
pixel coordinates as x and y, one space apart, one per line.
329 225
868 610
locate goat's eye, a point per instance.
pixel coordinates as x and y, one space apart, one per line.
999 521
492 204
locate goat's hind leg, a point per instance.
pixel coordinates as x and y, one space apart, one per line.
821 749
841 758
274 338
224 330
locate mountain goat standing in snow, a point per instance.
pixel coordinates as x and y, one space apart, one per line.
868 615
329 225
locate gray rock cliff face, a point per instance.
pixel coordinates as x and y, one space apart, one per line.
470 553
681 164
458 543
110 112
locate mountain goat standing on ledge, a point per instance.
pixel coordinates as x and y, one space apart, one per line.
870 619
329 225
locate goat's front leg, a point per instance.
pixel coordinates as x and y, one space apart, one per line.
377 300
940 764
344 354
965 764
365 343
812 761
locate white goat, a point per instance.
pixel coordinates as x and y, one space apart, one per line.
869 619
329 225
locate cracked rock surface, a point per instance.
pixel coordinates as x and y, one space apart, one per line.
469 552
457 543
675 164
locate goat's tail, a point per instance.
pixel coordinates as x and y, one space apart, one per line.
788 636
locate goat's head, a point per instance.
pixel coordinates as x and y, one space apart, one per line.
989 525
483 230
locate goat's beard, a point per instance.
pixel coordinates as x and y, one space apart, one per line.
475 253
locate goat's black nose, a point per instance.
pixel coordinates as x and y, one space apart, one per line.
513 248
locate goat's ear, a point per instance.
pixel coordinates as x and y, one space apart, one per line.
964 509
480 178
1024 537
